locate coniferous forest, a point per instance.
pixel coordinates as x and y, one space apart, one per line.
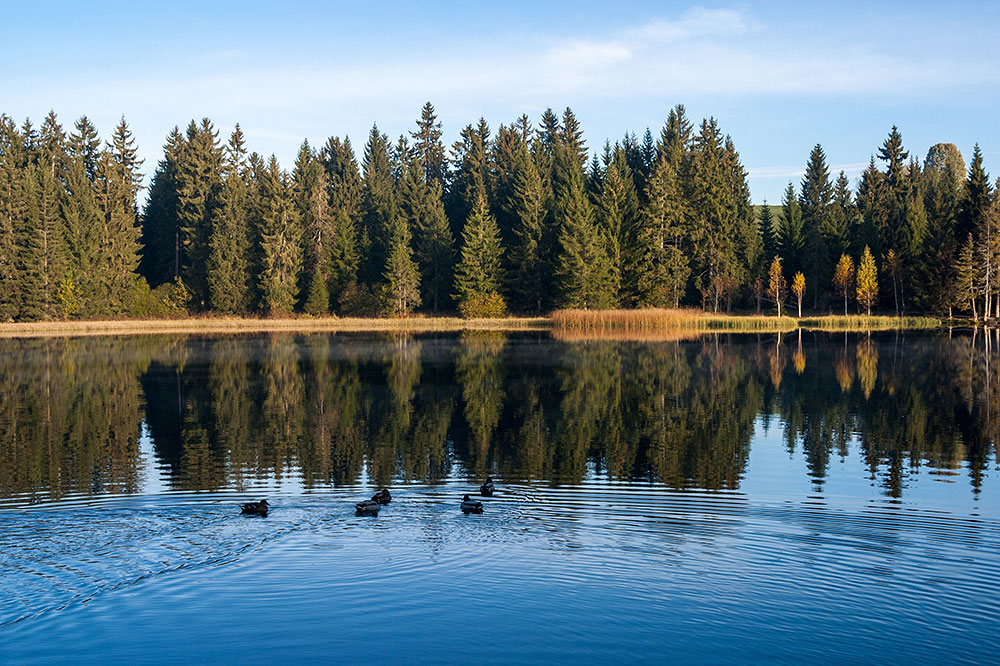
523 219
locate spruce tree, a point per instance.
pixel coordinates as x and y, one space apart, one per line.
531 272
791 235
401 292
421 204
378 206
229 254
586 276
12 209
428 148
659 265
161 235
478 274
815 199
199 182
281 237
617 213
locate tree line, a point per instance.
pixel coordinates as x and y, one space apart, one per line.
524 218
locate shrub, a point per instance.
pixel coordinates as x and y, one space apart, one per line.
359 301
483 306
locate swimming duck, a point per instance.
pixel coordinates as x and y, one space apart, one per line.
486 490
382 496
255 508
471 505
368 508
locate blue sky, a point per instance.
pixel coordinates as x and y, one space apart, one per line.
780 77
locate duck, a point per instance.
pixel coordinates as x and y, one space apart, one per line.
471 506
255 508
382 496
368 508
486 490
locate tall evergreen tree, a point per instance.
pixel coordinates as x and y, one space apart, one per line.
161 233
378 206
281 237
531 270
229 253
422 206
660 266
479 273
617 214
199 182
791 235
402 288
818 229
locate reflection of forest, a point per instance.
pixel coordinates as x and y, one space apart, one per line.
223 411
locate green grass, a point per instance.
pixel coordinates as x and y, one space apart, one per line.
867 323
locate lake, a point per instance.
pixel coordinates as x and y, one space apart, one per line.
805 498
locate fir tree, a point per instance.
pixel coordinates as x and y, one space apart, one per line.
12 207
967 276
228 261
378 206
531 273
161 234
281 235
660 266
199 181
479 274
422 206
617 213
791 236
402 289
428 148
585 273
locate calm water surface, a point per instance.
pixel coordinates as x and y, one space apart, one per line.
811 499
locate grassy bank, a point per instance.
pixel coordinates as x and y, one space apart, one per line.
654 320
566 324
867 323
251 325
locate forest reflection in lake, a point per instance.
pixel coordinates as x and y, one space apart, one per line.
238 412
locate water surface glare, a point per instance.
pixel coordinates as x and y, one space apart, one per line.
729 499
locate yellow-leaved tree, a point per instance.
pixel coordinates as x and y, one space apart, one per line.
843 274
867 288
776 283
799 288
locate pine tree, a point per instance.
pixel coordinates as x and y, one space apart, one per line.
317 301
82 218
378 205
815 202
428 147
768 235
660 266
161 235
281 236
944 171
585 273
531 272
967 276
478 275
12 209
422 206
618 213
402 289
119 181
228 261
791 235
199 181
344 183
867 283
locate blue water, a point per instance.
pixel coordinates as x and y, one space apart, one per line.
863 561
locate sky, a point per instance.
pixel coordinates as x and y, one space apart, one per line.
779 77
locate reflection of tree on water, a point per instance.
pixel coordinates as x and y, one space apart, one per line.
70 414
226 411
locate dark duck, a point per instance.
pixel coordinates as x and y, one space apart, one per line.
486 490
471 506
255 508
382 496
367 508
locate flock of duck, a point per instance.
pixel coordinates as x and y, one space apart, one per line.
370 507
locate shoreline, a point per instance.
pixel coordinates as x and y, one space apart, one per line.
694 324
